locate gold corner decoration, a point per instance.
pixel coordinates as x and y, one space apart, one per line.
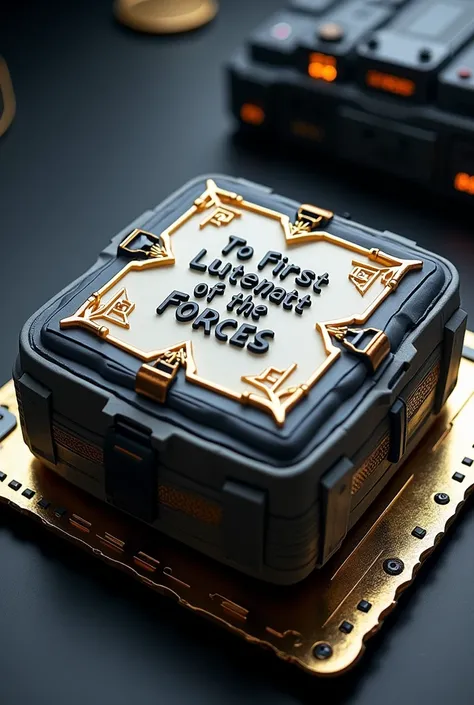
277 389
363 276
117 310
269 382
219 205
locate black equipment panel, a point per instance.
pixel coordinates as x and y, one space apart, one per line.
385 83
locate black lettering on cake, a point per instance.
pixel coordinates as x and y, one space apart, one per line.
236 298
281 265
200 290
290 269
243 306
245 252
289 299
259 310
215 270
277 295
270 257
322 280
249 280
264 288
217 290
186 312
174 299
208 318
234 241
246 307
304 302
236 272
227 323
259 344
196 263
239 339
306 277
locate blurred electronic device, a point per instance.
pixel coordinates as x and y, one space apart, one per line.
7 98
385 83
242 372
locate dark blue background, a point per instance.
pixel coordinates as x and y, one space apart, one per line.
108 124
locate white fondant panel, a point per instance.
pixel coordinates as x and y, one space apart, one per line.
296 338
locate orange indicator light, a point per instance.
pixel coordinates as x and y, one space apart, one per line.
323 67
252 114
391 84
464 182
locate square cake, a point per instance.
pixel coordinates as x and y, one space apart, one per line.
242 372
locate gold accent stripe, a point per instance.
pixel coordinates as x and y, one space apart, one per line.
426 386
77 445
424 410
191 504
371 464
414 403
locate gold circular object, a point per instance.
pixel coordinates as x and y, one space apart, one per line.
7 97
165 16
331 32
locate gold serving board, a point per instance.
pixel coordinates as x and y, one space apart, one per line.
321 624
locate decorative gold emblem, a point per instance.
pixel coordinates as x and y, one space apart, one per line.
221 214
117 310
270 392
364 275
175 357
270 382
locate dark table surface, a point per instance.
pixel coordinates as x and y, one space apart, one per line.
108 123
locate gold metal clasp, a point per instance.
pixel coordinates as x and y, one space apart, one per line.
370 344
153 380
314 216
376 349
141 244
310 218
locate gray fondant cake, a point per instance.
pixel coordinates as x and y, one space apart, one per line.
243 372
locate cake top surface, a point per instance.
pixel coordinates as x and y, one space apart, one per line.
237 303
